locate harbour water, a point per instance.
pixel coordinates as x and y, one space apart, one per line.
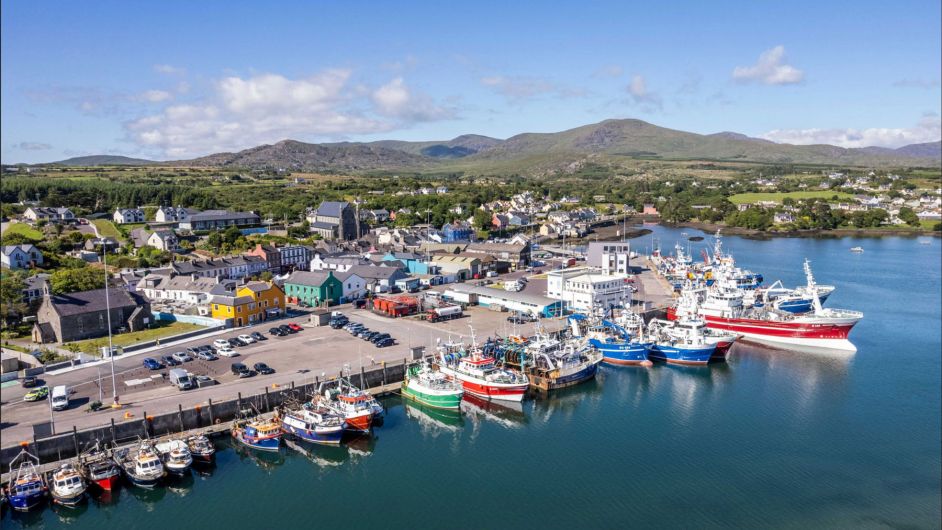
770 439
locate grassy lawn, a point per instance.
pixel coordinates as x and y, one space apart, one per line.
106 228
25 230
742 198
160 330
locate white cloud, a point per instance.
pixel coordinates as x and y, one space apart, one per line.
167 69
32 146
928 129
183 87
396 100
154 96
266 108
640 95
771 69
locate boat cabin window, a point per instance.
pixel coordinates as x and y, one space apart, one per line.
27 489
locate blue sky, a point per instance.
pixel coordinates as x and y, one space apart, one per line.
170 80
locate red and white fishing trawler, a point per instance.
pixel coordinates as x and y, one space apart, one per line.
480 375
819 329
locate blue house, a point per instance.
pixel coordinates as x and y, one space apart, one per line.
457 231
415 263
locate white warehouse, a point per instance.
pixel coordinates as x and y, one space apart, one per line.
584 289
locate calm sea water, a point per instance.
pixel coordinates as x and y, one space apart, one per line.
770 439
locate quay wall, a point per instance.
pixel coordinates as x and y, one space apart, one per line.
68 444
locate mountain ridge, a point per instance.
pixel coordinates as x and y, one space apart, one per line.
607 141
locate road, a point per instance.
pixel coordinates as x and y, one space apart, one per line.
315 351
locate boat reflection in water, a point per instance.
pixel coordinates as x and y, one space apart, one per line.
568 401
149 497
508 414
68 514
181 485
266 460
433 421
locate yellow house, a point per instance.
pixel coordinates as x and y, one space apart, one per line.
253 302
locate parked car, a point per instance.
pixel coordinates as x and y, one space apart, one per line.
388 341
226 352
152 364
491 274
378 337
183 357
294 327
257 336
337 324
368 335
276 332
241 370
348 325
359 303
361 332
205 347
286 329
246 339
204 380
37 394
192 351
220 343
356 328
29 381
206 355
169 360
263 369
234 342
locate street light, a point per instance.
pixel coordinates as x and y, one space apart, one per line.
114 384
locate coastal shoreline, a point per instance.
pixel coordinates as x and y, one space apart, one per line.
815 233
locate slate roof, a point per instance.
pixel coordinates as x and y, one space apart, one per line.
369 272
221 215
8 249
311 278
92 301
332 208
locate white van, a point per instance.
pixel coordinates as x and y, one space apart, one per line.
60 397
180 379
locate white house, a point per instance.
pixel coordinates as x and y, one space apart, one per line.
336 263
611 257
170 214
164 240
38 213
586 289
354 287
128 215
21 256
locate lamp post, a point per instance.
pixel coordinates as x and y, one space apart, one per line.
114 385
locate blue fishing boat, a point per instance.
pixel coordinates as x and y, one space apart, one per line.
679 342
27 487
264 435
315 424
613 340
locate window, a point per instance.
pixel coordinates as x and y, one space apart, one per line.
215 307
239 309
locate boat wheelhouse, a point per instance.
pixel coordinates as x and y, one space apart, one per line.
67 485
264 435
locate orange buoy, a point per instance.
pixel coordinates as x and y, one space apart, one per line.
128 415
24 444
150 418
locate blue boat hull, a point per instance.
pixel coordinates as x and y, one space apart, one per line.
24 503
323 436
267 444
621 352
575 378
676 355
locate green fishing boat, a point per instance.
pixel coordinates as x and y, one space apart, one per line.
431 388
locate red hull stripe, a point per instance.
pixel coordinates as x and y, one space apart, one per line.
781 329
486 390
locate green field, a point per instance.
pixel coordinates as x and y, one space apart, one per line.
742 198
25 230
160 330
106 228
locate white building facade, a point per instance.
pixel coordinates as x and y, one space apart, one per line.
585 289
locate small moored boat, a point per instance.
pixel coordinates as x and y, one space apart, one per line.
99 468
27 487
141 464
175 454
201 449
67 485
314 423
264 435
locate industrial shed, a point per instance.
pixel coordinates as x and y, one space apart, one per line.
513 301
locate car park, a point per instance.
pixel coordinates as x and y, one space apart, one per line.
263 369
206 356
37 394
388 341
169 360
152 364
257 336
29 381
226 352
220 343
241 370
294 327
183 357
246 339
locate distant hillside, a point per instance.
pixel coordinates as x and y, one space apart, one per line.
611 142
926 150
104 160
289 154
